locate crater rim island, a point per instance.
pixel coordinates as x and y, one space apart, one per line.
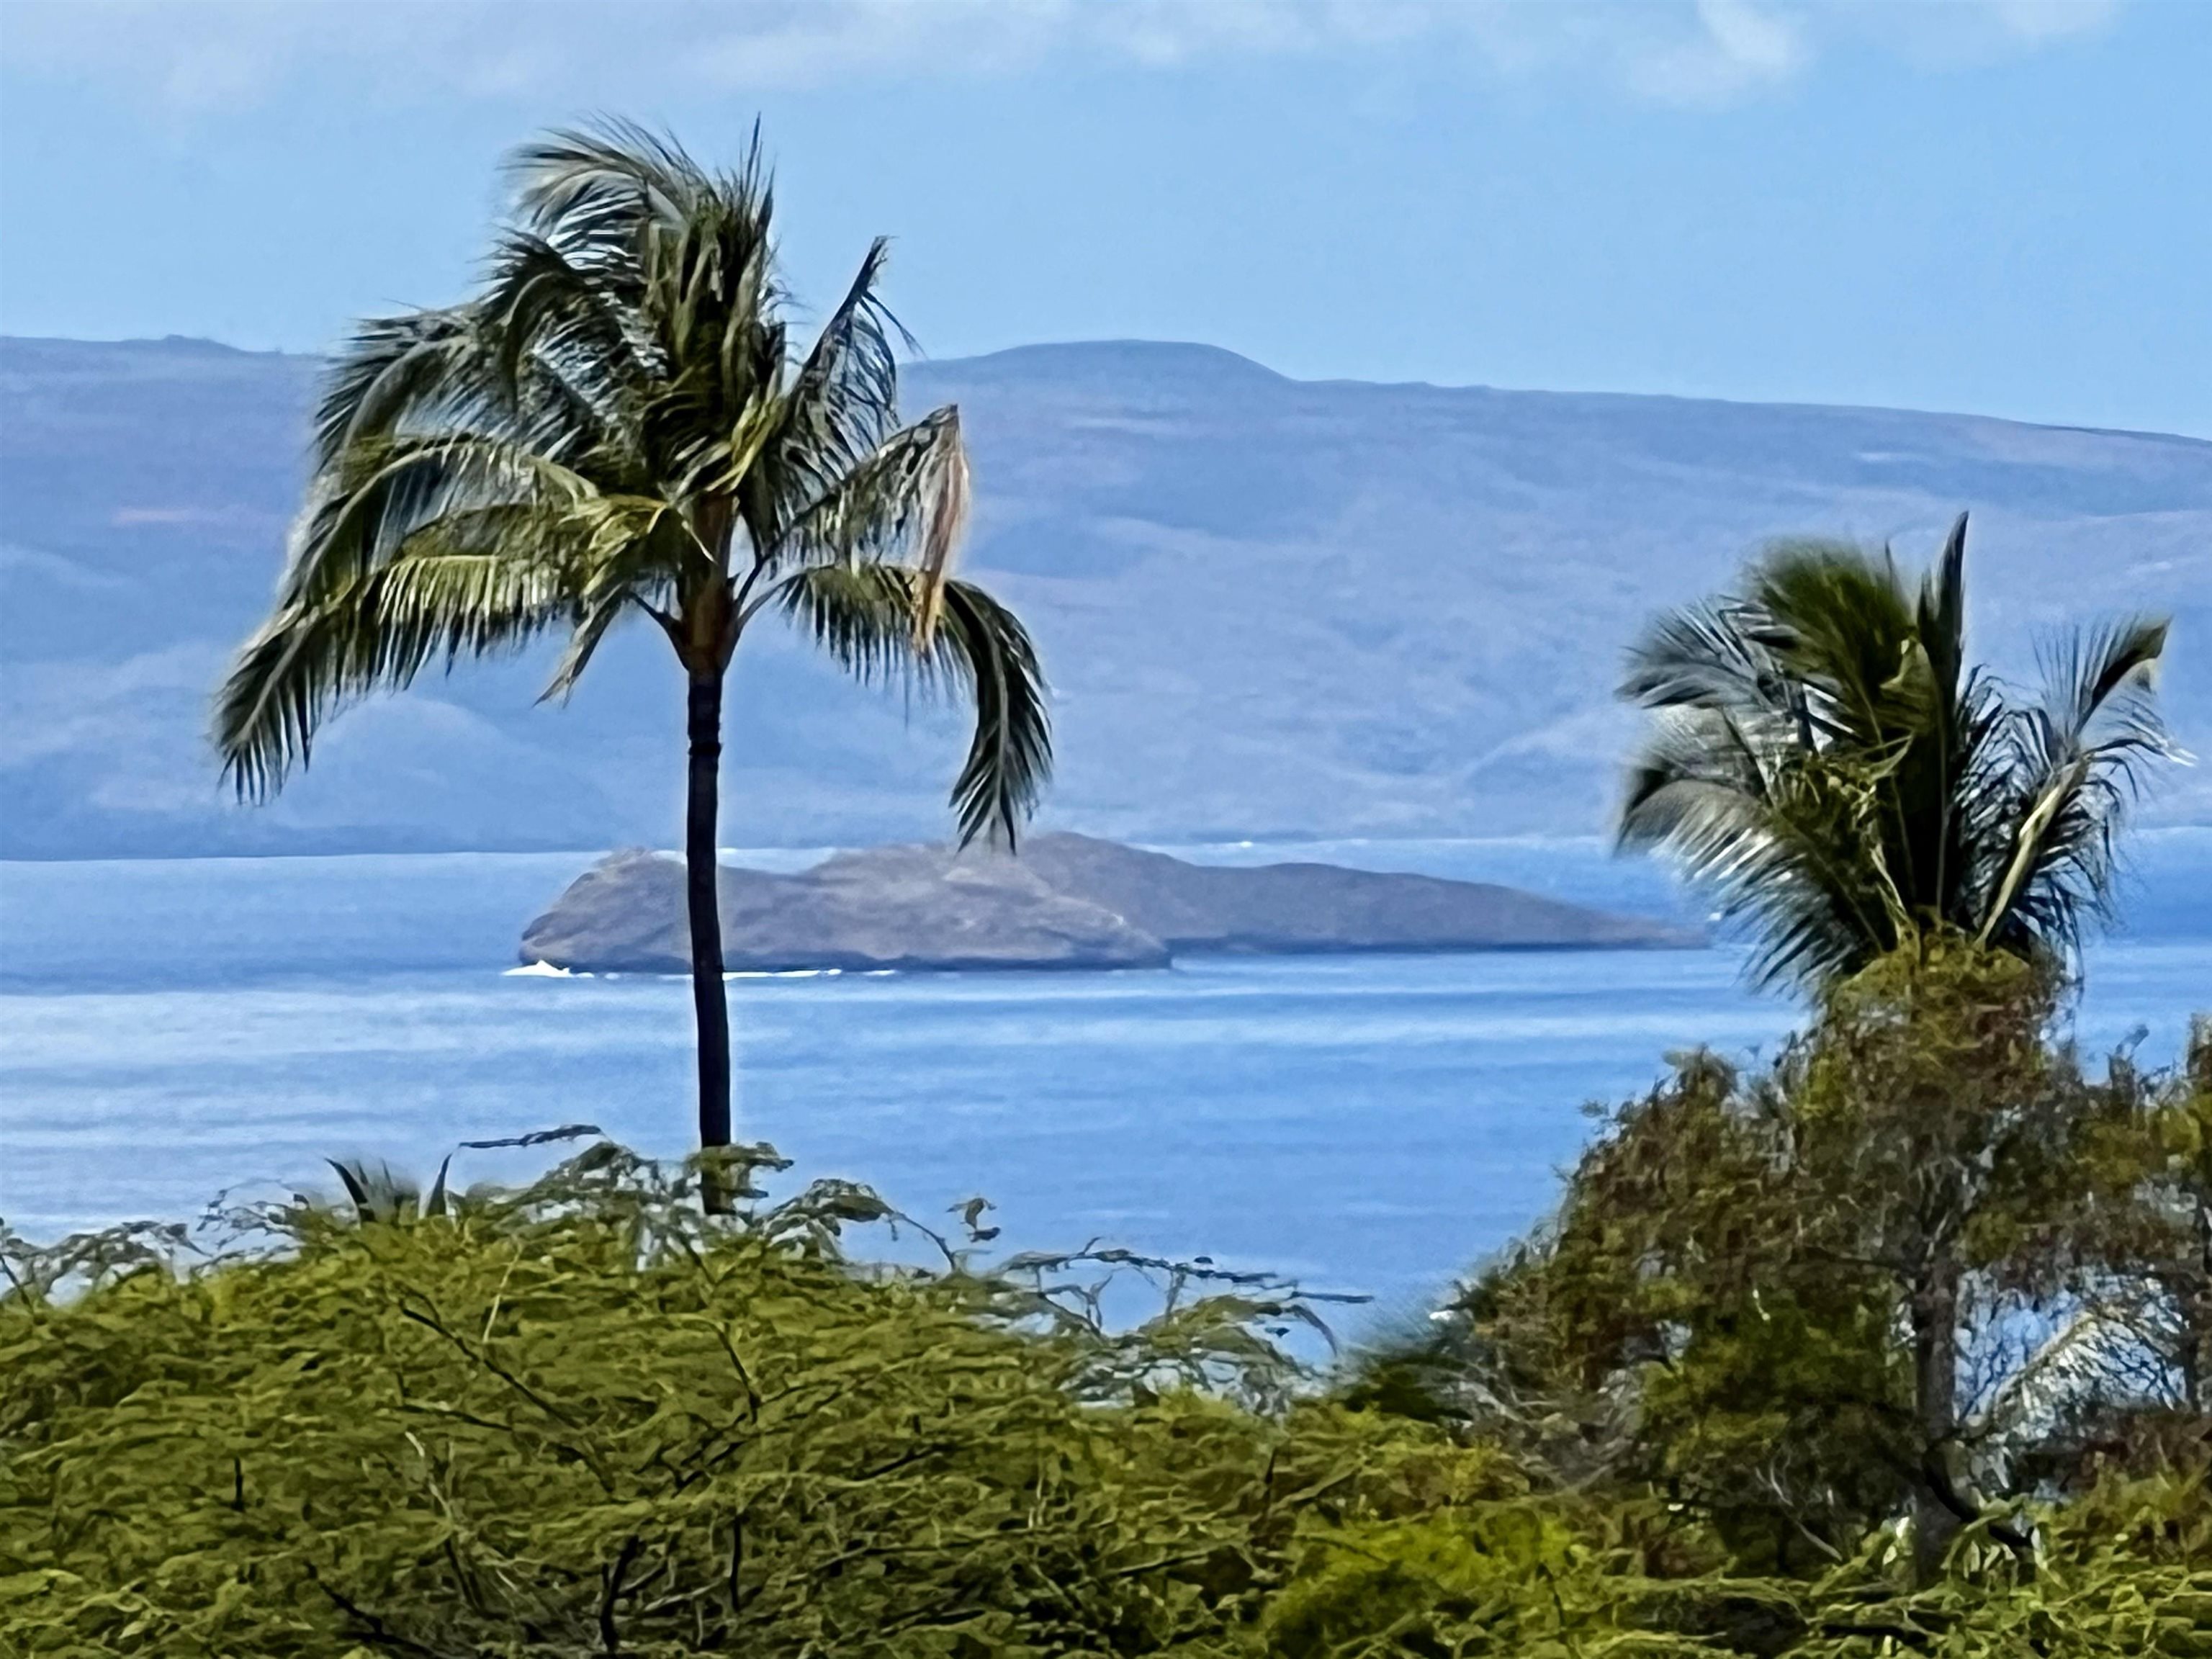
1063 901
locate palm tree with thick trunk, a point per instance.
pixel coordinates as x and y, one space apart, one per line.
618 425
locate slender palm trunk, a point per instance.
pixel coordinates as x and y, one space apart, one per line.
1935 1403
709 1002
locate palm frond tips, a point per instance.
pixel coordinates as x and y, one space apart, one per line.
1826 763
905 501
869 618
1010 759
844 398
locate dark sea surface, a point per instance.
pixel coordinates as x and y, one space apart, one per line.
169 1030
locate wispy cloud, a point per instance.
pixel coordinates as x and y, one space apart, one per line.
198 55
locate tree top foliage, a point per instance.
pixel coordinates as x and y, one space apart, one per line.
582 1419
1827 760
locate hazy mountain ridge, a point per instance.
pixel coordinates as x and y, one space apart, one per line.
1269 607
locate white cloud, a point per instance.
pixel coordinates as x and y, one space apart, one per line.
208 54
1951 33
1737 47
2048 19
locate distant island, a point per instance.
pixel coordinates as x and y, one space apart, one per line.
1068 901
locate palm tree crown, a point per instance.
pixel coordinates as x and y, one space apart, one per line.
617 425
1826 760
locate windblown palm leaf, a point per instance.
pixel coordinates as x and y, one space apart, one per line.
618 425
1825 760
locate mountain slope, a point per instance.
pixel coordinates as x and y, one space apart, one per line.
1269 607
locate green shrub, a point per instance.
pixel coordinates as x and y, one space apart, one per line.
583 1419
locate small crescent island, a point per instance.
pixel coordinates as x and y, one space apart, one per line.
1068 901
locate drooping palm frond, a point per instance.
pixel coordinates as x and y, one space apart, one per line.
1828 764
870 619
907 503
388 372
376 634
1776 835
410 549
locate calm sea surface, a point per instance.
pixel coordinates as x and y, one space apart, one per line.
169 1029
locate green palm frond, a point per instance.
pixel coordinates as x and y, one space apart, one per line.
386 373
1940 615
2076 762
871 618
1709 657
1772 832
1839 623
1827 764
380 495
375 635
907 502
844 399
604 183
579 326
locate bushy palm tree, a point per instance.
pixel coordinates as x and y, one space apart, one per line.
619 425
1826 760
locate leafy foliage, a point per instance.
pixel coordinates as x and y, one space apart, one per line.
618 426
1921 1262
2128 1572
1898 1343
1828 762
584 1417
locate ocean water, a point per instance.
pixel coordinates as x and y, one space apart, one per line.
171 1029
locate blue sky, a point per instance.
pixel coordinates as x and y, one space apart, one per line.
2003 206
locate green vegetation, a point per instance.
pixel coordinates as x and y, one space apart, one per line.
616 427
1900 1343
1922 1265
588 1418
1920 851
1828 762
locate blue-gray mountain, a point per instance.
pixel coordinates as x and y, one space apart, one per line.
1269 607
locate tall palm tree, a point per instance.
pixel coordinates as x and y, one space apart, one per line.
617 425
1827 761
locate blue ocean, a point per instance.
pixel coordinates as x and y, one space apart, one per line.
171 1031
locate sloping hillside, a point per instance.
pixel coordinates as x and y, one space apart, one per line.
1269 607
